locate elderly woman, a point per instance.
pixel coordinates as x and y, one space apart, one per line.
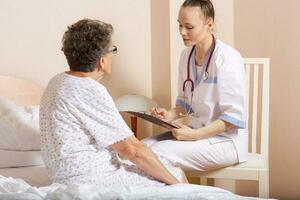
82 133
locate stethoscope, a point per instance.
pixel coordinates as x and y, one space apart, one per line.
188 78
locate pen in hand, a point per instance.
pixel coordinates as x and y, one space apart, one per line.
156 111
156 108
160 112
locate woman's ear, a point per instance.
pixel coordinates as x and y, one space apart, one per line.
100 64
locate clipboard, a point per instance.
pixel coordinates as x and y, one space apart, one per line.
152 119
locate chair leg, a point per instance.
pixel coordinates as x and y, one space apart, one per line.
203 181
263 184
194 180
227 184
133 124
207 181
211 181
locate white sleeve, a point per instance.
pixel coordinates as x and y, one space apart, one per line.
103 121
232 91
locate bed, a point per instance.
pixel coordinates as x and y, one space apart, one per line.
23 176
26 164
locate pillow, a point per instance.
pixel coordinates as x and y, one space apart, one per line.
19 126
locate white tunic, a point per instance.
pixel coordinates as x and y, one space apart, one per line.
78 122
221 96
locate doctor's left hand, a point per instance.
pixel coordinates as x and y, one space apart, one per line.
183 132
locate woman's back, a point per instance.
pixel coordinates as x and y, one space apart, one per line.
73 137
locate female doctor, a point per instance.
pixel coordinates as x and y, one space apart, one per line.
211 93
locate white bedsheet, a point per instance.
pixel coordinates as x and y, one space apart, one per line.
20 158
18 189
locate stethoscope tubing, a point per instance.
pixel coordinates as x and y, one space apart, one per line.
206 74
188 78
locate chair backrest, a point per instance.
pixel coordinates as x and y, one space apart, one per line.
257 77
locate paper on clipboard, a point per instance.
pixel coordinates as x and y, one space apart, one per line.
153 119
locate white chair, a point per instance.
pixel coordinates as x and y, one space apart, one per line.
257 166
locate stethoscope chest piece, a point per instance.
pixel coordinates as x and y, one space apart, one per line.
206 74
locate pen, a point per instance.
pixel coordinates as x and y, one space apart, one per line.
156 107
159 112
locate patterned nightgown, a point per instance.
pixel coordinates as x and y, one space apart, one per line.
78 122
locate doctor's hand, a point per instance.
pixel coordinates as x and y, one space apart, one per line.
183 132
160 113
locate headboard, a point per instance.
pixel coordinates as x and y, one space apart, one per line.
20 91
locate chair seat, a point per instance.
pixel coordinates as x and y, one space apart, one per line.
248 170
254 161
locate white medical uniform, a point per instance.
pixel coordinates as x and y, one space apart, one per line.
221 96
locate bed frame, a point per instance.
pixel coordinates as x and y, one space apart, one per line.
20 91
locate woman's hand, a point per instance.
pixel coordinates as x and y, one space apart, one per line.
184 132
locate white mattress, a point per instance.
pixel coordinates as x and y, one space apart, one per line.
35 176
20 158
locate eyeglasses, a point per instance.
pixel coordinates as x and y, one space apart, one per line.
114 50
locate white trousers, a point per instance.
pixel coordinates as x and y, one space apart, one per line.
193 155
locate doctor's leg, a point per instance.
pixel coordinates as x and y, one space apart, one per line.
197 155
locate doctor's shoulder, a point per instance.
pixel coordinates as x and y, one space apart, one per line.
225 53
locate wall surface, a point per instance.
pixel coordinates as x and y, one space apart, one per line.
160 46
267 28
31 33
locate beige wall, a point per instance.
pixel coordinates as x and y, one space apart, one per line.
31 33
268 28
160 32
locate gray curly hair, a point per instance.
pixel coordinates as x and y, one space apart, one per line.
85 42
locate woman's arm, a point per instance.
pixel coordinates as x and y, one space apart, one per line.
186 133
138 153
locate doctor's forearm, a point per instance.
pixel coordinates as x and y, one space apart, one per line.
216 127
